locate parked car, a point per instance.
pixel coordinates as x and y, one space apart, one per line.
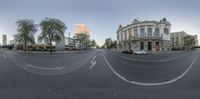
140 52
10 46
127 51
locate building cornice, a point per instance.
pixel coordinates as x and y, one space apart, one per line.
138 23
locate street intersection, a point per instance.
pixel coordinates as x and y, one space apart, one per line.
99 74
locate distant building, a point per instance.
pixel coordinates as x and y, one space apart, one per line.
66 43
177 40
70 43
196 40
82 29
144 35
4 38
12 42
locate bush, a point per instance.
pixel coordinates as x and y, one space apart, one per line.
42 48
19 47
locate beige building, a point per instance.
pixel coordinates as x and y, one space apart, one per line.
82 29
177 40
144 35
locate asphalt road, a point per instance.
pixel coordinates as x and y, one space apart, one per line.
99 74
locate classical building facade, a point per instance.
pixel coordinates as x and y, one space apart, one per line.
144 35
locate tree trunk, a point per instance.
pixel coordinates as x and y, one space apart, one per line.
80 45
50 43
25 46
51 46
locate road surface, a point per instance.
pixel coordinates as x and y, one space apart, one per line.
99 74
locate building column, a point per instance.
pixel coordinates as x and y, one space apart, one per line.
161 45
146 45
145 31
127 35
119 34
138 31
153 32
124 35
132 31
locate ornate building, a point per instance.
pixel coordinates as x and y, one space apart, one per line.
144 35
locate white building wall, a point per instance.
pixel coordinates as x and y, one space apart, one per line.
138 26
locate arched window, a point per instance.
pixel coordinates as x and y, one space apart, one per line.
166 31
142 32
149 31
157 32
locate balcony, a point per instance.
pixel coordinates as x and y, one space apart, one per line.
146 38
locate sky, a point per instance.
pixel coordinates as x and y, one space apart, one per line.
102 17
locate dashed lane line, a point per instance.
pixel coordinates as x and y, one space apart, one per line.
43 68
4 55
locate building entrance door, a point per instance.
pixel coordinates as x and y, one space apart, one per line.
142 45
157 46
149 46
129 45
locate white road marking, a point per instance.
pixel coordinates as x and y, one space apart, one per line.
151 84
93 62
37 67
4 55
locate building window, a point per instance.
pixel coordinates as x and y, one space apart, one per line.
157 32
142 32
142 45
166 31
157 46
149 46
149 32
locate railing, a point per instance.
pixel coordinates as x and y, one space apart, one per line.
145 38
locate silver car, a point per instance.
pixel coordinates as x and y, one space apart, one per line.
140 52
